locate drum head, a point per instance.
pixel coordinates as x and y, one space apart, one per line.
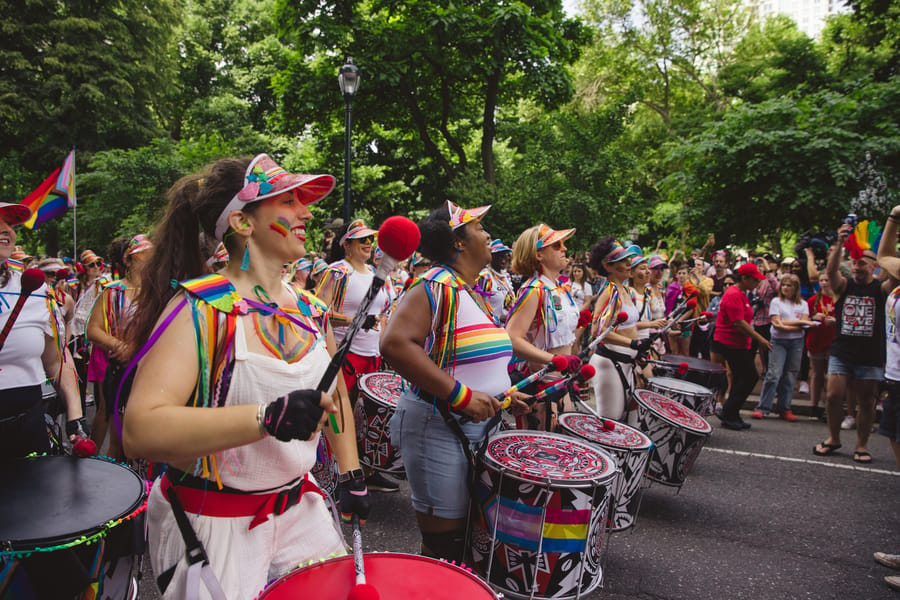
535 456
395 576
673 412
693 363
51 500
382 386
591 428
679 385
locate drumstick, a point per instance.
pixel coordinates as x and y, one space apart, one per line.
362 590
398 237
32 279
681 369
558 363
584 373
706 316
621 317
676 313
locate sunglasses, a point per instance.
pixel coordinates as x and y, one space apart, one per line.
98 264
366 240
558 246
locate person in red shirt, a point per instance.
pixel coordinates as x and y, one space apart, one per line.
732 340
818 341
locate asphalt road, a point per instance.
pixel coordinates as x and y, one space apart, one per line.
760 517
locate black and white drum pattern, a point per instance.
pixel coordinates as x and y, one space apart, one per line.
544 500
629 448
325 471
678 435
379 392
699 399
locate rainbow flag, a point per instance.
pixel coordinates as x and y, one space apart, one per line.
53 197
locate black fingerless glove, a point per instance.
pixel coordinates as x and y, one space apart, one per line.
76 427
641 345
294 416
354 497
369 323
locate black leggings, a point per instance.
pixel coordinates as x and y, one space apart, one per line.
22 427
743 377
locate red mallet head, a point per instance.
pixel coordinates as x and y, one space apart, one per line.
32 279
84 447
363 591
398 237
621 317
691 304
707 315
559 363
682 368
609 425
586 372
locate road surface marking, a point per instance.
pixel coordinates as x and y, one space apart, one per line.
806 461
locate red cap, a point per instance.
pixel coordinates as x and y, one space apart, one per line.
750 270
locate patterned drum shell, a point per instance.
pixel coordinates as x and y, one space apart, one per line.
629 448
379 392
699 399
678 435
544 501
395 576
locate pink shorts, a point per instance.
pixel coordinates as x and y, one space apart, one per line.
97 365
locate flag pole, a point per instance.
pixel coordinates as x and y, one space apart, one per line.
74 210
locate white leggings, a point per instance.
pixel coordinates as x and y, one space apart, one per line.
609 394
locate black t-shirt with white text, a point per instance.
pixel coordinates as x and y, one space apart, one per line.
860 325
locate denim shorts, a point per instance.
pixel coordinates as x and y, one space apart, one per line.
890 412
435 464
836 366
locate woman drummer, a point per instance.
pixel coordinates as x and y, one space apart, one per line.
225 390
33 352
642 292
443 340
613 361
543 320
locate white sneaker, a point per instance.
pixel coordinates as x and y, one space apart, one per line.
848 423
803 388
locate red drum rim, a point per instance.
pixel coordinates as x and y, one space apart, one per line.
587 427
693 363
673 412
367 387
396 576
681 385
550 458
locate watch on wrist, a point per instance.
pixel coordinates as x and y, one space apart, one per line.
349 475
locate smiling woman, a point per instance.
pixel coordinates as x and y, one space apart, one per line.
225 389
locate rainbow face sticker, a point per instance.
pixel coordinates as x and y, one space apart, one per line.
281 226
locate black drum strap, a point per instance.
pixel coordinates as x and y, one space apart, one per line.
198 561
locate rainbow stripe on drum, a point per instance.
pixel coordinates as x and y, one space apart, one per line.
547 457
672 411
520 525
480 343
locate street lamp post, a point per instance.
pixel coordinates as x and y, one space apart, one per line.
348 80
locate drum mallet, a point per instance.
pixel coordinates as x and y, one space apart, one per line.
32 279
398 237
362 590
584 374
621 317
677 312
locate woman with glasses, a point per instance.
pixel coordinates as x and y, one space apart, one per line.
32 352
543 319
790 316
90 282
343 287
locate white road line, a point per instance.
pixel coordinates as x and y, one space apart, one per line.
805 460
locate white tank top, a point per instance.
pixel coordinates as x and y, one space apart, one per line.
365 343
259 379
483 350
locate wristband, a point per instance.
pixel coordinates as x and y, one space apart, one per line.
261 420
460 396
350 475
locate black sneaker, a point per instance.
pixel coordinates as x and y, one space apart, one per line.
736 425
376 482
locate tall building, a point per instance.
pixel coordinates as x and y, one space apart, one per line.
809 15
